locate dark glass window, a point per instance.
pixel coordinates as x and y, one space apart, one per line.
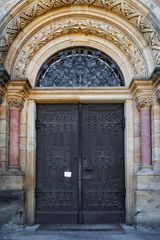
80 67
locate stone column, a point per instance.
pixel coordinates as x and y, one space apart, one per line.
129 163
4 80
31 163
144 104
15 106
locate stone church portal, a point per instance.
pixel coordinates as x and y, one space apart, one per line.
79 111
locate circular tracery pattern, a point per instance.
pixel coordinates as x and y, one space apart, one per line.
80 67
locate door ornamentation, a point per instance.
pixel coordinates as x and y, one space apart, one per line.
80 67
80 164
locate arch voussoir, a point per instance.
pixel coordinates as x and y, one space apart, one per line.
79 26
123 8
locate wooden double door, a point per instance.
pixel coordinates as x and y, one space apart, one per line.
80 163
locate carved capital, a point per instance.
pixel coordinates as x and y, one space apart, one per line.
17 93
144 102
15 103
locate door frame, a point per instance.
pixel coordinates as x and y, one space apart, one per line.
79 96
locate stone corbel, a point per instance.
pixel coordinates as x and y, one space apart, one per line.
17 92
142 89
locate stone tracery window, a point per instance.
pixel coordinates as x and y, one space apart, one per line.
80 67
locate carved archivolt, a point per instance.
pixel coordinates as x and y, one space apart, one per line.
39 7
86 26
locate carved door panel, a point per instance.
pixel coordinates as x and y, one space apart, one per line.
80 164
57 155
103 164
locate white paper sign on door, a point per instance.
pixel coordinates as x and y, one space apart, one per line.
68 174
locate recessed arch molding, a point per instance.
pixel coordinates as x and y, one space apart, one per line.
27 13
87 27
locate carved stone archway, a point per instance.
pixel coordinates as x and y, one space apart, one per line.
26 14
125 30
79 26
111 28
72 40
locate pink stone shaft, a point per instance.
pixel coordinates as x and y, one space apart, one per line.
14 126
146 137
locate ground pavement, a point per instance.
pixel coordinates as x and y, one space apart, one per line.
93 232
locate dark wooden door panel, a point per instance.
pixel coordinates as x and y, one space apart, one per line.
87 142
57 144
102 163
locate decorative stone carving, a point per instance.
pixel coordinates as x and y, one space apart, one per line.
15 103
86 26
80 67
144 102
17 93
39 7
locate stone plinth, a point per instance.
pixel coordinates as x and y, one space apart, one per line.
12 198
12 206
147 196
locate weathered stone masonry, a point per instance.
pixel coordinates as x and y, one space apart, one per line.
32 32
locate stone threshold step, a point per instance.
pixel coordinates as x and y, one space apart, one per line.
80 227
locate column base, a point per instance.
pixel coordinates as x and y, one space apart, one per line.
12 207
10 168
12 197
147 195
145 170
14 170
